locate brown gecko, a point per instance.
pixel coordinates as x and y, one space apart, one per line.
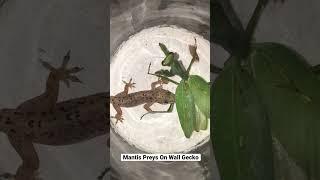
44 121
148 97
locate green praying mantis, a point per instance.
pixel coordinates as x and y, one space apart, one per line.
192 93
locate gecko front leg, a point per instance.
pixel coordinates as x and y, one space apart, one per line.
128 85
47 100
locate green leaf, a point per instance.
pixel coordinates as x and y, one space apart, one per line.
201 92
164 49
227 127
290 91
259 139
201 122
240 131
186 108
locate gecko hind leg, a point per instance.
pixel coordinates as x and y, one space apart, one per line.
118 115
63 73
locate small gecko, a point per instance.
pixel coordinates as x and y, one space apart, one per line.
44 121
148 97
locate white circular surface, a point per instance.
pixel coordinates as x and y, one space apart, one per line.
155 133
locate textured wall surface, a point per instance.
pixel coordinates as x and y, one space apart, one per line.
128 17
56 26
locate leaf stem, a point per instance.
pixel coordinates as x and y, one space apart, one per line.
251 27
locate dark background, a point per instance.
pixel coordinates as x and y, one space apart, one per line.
56 26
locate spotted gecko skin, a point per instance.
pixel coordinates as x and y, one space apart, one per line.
69 122
148 97
44 121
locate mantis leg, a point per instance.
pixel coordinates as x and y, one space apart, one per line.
170 109
194 54
161 76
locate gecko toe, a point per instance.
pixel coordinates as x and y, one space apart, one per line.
74 79
74 70
120 119
62 73
129 84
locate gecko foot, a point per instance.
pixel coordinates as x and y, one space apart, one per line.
129 84
118 118
63 73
